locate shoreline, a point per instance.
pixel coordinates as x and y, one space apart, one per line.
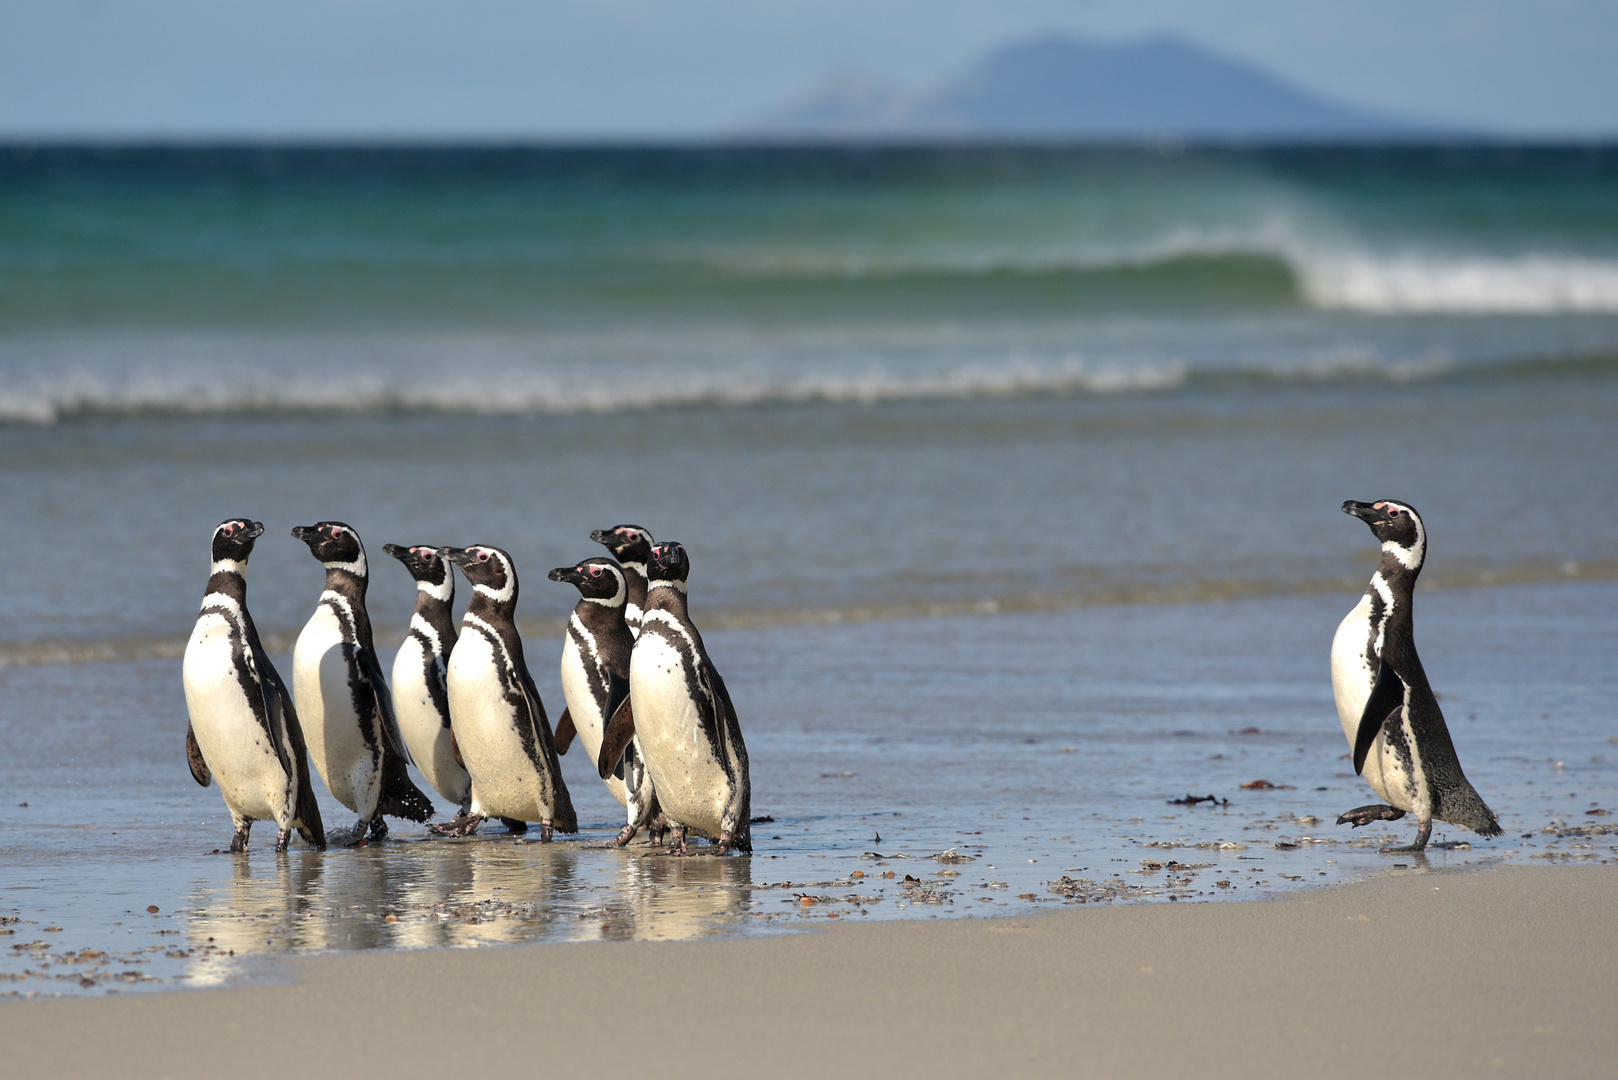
1510 971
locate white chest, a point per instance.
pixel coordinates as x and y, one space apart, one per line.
691 782
1352 671
238 750
321 685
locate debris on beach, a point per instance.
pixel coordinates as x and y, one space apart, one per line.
1192 800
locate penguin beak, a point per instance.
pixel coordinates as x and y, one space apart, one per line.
306 533
569 574
255 530
602 536
1364 511
458 556
398 552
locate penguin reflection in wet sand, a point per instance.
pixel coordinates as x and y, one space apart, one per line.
631 545
595 681
420 696
1388 711
500 725
243 728
682 715
342 698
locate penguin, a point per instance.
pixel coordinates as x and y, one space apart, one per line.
631 545
243 728
681 713
1388 711
500 724
342 696
420 697
595 680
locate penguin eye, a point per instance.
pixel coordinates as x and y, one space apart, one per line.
1393 511
229 530
483 556
595 571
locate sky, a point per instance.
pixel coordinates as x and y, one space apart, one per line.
675 69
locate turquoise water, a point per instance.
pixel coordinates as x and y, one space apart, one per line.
1010 481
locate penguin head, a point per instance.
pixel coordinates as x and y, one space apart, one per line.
600 580
233 539
628 543
1397 525
489 569
334 544
669 565
426 564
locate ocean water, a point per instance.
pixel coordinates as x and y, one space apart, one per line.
1010 480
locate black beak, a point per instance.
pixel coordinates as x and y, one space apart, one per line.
569 574
398 551
1364 511
255 530
602 536
306 533
458 556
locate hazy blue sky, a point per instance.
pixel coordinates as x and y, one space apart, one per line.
670 68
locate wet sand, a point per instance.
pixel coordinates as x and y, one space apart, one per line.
1510 972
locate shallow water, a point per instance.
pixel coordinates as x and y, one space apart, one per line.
1043 749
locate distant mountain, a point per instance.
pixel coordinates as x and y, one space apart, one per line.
1065 88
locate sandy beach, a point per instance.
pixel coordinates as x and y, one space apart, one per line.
1509 972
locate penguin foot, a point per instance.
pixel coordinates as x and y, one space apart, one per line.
724 843
283 840
379 828
1422 834
546 831
625 835
1364 815
677 840
514 827
461 825
238 840
357 837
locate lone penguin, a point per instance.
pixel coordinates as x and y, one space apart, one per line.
631 545
682 715
420 695
243 728
1388 711
342 696
500 724
595 681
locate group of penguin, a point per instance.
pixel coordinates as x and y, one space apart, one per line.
642 698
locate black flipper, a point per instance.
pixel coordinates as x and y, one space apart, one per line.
544 754
615 740
565 731
1387 695
193 757
307 809
388 722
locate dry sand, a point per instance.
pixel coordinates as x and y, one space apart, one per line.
1510 972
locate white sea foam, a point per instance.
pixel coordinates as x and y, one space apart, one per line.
1463 285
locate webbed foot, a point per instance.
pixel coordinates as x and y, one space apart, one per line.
1364 815
1423 832
625 835
546 831
461 825
677 840
238 840
283 840
379 828
724 843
